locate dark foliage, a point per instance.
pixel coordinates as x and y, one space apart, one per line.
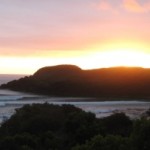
117 124
53 127
48 125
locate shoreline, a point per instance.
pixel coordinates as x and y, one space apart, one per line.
101 107
83 98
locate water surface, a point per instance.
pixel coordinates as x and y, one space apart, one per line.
10 100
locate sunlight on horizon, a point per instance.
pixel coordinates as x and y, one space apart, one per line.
120 57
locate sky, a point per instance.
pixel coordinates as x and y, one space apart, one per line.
87 33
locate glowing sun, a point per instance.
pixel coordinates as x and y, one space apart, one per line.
122 57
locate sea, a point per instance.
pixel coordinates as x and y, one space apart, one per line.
12 100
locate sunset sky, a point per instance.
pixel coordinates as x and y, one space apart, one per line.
87 33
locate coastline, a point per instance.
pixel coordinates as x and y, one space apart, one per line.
84 98
12 100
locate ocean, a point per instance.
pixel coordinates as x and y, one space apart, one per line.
11 100
4 78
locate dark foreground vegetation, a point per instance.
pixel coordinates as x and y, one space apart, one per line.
53 127
68 80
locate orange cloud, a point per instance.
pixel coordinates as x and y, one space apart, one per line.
135 6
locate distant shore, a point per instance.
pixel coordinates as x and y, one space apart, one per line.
118 83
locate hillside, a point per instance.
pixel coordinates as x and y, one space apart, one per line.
69 80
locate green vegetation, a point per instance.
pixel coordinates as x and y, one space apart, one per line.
68 80
54 127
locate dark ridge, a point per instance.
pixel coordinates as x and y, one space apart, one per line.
57 69
70 80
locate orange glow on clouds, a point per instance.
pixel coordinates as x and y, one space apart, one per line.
134 6
90 34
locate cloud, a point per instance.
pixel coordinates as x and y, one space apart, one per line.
136 7
103 5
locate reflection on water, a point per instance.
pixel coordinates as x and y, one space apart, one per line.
10 100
